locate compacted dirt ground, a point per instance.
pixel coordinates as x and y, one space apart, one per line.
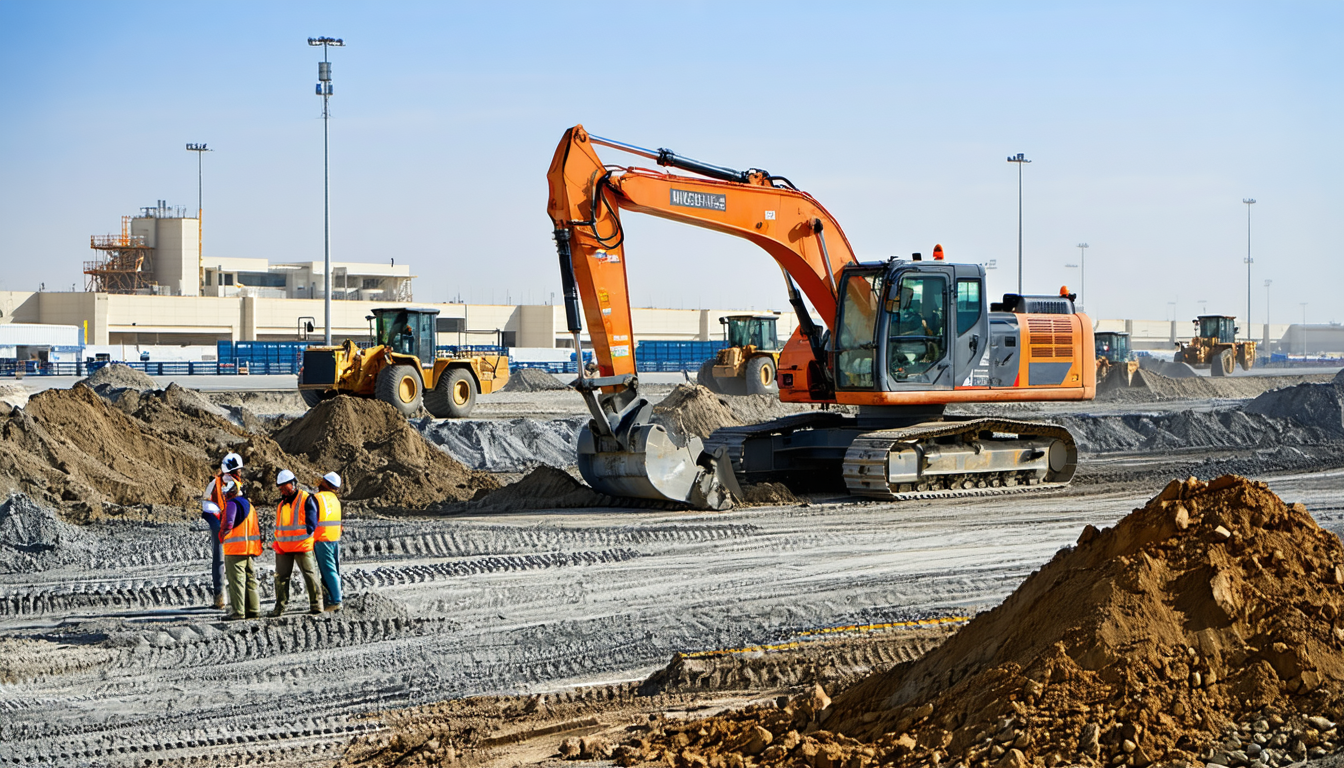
504 633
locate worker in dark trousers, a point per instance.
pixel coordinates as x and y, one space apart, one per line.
241 541
212 508
327 544
295 522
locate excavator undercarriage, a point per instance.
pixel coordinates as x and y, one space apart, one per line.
827 451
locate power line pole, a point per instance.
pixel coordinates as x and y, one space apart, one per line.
1082 260
324 90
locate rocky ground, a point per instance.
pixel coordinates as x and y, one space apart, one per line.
501 613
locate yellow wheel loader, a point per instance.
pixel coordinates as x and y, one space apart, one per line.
747 366
1216 347
401 368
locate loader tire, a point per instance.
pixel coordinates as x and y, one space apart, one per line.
454 396
1224 363
761 376
311 397
400 385
706 377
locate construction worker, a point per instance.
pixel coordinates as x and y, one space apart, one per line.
240 538
212 507
295 522
327 539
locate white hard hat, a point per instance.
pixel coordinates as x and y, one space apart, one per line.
333 479
232 463
285 476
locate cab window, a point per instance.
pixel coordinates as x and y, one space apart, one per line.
917 330
968 305
855 342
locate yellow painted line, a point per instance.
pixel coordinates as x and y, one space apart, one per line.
831 631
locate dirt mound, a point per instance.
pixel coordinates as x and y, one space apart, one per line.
542 488
515 445
1213 606
72 446
768 494
380 457
532 380
1183 430
116 376
693 410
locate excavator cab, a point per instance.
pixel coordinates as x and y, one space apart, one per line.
909 326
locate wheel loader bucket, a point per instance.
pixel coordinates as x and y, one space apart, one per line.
654 467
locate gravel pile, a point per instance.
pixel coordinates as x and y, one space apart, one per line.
33 538
532 380
117 376
515 445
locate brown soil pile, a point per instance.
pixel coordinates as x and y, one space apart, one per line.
1214 605
542 488
380 457
768 494
532 380
692 410
117 376
72 447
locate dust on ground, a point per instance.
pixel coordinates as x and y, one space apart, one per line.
381 458
1213 613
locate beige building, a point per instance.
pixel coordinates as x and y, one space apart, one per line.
190 320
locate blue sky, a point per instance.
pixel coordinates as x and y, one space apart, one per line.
1147 123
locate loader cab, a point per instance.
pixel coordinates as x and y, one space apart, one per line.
406 331
908 325
751 331
1221 328
1112 346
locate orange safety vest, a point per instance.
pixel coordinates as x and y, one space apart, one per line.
216 489
244 538
291 527
328 517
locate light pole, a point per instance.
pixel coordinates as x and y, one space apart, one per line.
1020 159
1249 201
1082 259
324 90
1303 330
200 151
1267 284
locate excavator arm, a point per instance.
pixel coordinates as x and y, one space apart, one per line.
622 452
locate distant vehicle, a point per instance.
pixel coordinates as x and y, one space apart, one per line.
747 366
1216 347
402 368
1113 353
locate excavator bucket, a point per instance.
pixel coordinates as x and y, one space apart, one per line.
623 453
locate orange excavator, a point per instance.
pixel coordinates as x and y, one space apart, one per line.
901 341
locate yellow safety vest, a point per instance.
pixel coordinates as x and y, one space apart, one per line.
291 527
328 517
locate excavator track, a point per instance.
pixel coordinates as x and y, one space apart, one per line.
993 456
867 462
